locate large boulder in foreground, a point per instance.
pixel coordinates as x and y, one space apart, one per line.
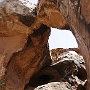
54 86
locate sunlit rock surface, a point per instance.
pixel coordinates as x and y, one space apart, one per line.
54 86
50 15
23 43
24 33
69 67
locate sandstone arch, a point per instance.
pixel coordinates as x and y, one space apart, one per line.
78 21
50 13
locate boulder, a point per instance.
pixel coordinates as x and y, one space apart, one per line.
54 86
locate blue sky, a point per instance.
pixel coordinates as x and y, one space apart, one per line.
60 38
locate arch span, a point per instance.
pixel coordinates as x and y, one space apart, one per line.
76 17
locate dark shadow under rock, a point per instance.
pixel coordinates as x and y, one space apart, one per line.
44 76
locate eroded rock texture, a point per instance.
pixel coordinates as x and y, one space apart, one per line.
24 45
24 33
56 52
71 66
68 69
25 63
77 17
54 86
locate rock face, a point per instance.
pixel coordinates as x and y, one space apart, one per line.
56 52
54 86
68 69
43 76
49 14
76 15
23 46
26 62
71 67
24 33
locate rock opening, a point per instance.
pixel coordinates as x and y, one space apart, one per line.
62 39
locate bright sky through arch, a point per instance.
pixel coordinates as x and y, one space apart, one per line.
33 1
62 39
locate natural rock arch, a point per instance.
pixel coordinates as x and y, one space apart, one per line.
34 25
78 20
61 39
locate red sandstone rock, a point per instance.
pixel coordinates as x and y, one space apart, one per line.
75 13
24 49
68 67
24 38
46 75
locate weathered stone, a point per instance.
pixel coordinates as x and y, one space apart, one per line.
80 87
28 61
9 45
85 11
77 17
17 22
49 14
44 76
54 86
24 38
80 28
70 65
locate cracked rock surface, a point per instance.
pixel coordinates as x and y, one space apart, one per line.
24 33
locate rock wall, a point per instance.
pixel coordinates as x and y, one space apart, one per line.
23 43
77 17
56 52
54 86
24 32
68 69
